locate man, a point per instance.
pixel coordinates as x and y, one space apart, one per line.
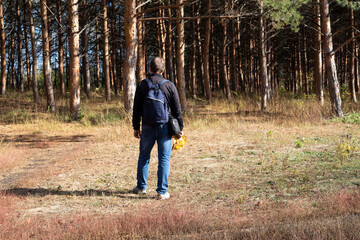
151 131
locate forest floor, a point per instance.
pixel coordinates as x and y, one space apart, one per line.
242 174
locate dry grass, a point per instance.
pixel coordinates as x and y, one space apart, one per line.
10 156
334 216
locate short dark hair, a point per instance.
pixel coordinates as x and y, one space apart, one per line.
157 65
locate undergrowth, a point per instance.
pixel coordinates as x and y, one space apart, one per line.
352 118
282 108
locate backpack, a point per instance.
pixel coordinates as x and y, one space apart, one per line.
155 108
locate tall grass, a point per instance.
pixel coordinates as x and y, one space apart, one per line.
282 108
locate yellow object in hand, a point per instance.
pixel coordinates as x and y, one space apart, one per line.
179 142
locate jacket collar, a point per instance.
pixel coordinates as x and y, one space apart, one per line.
156 75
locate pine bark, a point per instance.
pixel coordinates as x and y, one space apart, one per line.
234 61
114 50
85 48
3 50
61 49
193 56
352 57
180 54
33 51
224 72
169 53
46 58
263 61
356 73
97 54
131 54
106 53
304 63
27 53
206 51
330 59
12 55
20 83
74 49
162 35
200 50
318 61
141 67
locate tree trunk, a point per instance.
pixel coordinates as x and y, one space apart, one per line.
3 51
61 49
318 62
131 43
28 74
352 58
169 54
344 68
85 58
74 45
193 56
180 54
200 50
241 78
234 62
97 54
12 56
304 64
298 63
106 56
20 83
33 50
46 58
357 84
114 49
206 51
162 35
224 72
141 67
330 59
263 61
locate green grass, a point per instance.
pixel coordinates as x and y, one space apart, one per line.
352 118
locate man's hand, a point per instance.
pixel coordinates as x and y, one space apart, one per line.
180 135
137 133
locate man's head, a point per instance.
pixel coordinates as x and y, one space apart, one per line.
157 65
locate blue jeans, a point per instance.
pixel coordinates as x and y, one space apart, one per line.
149 135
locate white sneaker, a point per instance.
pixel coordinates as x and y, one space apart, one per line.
163 196
137 190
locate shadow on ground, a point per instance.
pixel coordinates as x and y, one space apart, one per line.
43 141
41 192
43 138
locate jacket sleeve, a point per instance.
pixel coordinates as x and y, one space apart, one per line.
137 109
175 106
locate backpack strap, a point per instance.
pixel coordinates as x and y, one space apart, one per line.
163 81
151 85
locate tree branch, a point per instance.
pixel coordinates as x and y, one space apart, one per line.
345 43
162 7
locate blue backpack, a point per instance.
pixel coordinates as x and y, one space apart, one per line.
155 108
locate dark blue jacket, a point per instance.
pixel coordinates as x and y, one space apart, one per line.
171 95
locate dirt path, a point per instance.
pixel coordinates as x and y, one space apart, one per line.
50 150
